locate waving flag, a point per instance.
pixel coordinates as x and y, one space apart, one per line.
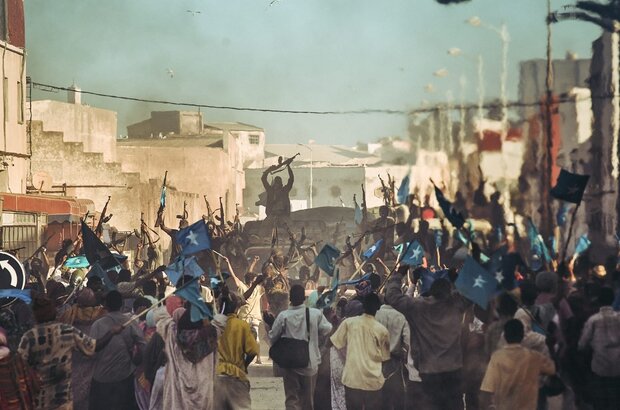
475 283
328 297
97 270
403 191
190 291
183 266
560 218
538 249
358 216
326 259
428 277
455 217
373 250
583 243
194 238
414 255
95 251
570 187
77 262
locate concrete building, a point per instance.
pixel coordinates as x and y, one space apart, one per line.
15 152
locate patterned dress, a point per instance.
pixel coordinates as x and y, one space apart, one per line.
48 348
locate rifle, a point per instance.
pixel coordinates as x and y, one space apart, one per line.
209 211
364 206
184 215
392 192
222 218
151 253
385 191
237 220
103 218
282 164
40 248
162 203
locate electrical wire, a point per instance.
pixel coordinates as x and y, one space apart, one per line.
437 107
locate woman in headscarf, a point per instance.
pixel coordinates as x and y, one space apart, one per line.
18 383
81 316
190 370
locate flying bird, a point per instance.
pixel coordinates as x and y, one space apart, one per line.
193 12
273 2
170 72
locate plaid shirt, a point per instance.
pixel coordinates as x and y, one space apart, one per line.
602 333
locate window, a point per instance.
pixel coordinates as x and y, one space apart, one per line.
254 139
20 103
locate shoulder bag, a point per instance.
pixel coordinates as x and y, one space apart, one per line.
289 353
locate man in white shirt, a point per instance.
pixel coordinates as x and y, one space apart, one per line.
299 384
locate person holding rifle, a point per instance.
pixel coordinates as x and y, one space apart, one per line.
278 202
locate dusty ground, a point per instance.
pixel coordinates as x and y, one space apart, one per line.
267 391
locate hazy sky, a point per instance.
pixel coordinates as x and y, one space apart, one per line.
294 54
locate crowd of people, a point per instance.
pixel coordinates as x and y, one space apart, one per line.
387 335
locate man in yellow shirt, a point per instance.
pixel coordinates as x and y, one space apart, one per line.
511 379
368 346
236 348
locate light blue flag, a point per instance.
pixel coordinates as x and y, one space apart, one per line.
183 266
97 270
77 262
583 243
326 259
403 191
328 298
191 292
22 294
414 254
194 238
475 283
373 250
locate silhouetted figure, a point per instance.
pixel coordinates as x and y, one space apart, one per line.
278 203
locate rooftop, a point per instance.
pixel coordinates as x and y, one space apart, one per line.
328 154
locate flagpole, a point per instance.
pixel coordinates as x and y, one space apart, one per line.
159 302
570 231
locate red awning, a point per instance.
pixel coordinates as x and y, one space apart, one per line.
57 209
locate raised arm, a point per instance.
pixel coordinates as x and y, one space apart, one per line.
291 178
394 295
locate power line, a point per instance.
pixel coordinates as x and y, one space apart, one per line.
437 107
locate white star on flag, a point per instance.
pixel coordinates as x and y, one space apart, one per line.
192 238
479 281
416 252
499 276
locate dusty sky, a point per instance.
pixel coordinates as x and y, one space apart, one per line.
294 54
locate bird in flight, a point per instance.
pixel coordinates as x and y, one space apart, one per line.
170 72
193 12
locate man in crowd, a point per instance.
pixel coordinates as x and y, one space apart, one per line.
601 333
299 383
400 337
236 349
368 346
112 386
512 377
435 322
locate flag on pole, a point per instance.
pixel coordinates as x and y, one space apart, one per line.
328 297
403 191
326 259
455 217
570 187
583 243
191 292
95 250
358 216
76 262
414 255
183 267
97 270
428 277
475 283
194 238
373 250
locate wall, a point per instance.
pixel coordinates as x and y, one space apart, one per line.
202 170
14 169
94 127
